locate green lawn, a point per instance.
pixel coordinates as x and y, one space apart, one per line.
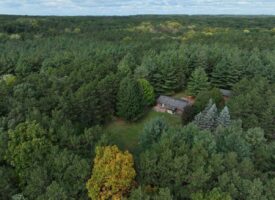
125 135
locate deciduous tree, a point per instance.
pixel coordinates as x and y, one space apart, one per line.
112 174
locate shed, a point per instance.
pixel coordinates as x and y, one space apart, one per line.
226 93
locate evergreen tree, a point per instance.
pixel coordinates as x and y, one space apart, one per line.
254 64
188 114
130 104
198 82
224 117
214 194
210 119
253 102
152 132
138 194
227 72
203 98
141 194
207 119
165 72
148 92
126 65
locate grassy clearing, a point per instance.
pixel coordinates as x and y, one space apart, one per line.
125 135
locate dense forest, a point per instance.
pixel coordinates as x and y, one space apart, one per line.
64 79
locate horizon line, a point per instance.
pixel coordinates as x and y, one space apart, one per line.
133 15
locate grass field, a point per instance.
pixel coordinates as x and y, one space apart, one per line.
125 135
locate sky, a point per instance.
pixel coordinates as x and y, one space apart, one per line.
136 7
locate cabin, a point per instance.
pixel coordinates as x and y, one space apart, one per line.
226 94
171 105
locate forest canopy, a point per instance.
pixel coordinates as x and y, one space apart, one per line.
63 80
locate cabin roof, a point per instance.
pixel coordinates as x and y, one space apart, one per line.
226 93
172 103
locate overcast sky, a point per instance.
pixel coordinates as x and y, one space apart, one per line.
133 7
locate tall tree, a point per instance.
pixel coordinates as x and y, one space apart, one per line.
198 82
130 103
112 174
224 117
207 119
203 98
152 132
148 92
253 102
228 71
27 148
126 65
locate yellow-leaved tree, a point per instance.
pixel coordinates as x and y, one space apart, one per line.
112 175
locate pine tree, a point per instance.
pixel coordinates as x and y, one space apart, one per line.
152 132
220 73
198 82
148 92
165 72
224 117
130 103
210 119
227 72
208 106
254 64
126 65
207 119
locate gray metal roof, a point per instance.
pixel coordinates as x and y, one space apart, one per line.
226 92
172 103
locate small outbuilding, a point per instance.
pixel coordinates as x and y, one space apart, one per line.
226 93
171 105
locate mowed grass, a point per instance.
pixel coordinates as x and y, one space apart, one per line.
126 135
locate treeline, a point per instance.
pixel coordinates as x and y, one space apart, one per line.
212 157
62 77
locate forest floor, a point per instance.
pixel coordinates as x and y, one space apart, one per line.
126 134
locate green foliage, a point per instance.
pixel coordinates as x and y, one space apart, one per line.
160 194
203 97
8 182
9 79
152 132
188 115
27 147
60 78
166 71
253 102
130 103
54 192
148 92
224 117
198 82
207 119
227 72
174 154
210 118
214 194
126 65
223 165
